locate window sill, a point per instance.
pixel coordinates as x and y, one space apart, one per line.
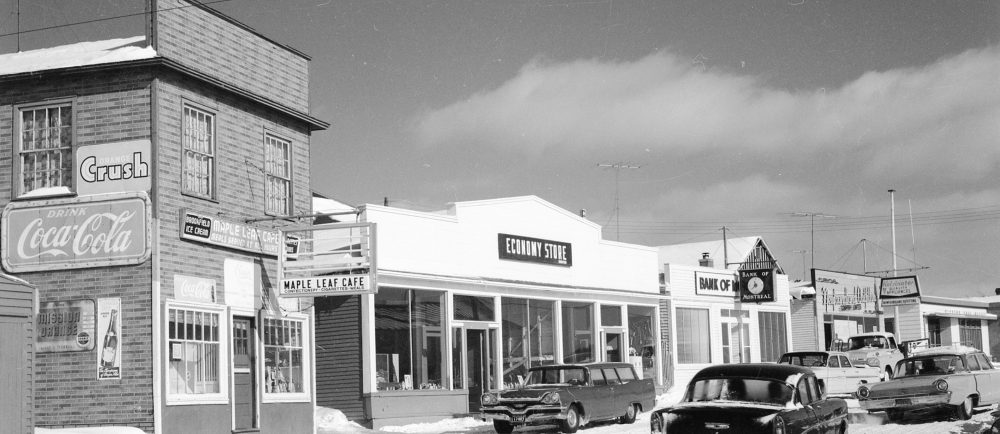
198 196
27 197
278 398
187 400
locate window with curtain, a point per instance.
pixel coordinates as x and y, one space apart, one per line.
45 147
198 160
970 331
409 344
773 335
277 175
693 336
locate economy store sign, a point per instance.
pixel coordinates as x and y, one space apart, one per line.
84 232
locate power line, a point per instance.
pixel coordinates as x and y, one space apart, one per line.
96 20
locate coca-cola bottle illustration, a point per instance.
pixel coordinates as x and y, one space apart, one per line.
110 343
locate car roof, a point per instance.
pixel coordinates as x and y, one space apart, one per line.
586 365
767 371
945 351
871 334
800 353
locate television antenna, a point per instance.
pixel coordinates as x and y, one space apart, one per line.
618 168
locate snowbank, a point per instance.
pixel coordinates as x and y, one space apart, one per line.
93 430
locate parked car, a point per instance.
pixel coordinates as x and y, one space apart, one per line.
570 396
874 345
834 369
753 398
954 379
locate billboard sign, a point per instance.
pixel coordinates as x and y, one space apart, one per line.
717 284
845 293
84 232
213 230
65 326
518 248
114 167
897 291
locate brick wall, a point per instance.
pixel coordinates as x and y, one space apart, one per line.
108 107
201 39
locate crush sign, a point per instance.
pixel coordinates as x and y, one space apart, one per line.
85 232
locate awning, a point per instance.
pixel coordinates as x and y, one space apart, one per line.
964 315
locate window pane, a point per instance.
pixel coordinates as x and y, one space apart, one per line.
199 151
640 331
611 316
578 333
471 308
693 342
409 343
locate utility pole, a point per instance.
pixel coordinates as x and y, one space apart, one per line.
812 230
892 216
738 302
618 167
803 252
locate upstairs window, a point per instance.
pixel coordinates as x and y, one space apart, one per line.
198 166
45 149
277 175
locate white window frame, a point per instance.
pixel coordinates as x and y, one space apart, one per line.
269 173
212 154
307 345
222 397
19 145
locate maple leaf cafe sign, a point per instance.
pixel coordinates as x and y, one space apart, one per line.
84 232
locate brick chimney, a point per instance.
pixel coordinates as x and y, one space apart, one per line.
706 261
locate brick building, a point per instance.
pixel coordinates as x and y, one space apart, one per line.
143 176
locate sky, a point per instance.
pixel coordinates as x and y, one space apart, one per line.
790 120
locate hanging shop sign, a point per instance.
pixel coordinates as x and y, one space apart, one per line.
845 293
897 291
518 248
65 326
757 285
109 359
84 232
114 167
327 285
227 233
715 284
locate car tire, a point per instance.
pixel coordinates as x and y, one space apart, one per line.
572 421
630 412
503 427
656 422
894 415
963 411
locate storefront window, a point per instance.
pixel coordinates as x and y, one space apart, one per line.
470 308
193 337
611 316
773 335
577 332
528 337
283 351
933 332
409 344
642 350
693 336
970 331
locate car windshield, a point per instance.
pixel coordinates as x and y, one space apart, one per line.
741 390
550 376
929 365
809 359
859 342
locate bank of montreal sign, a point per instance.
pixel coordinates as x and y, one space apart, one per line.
89 231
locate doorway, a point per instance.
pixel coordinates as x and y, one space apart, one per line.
244 374
613 343
479 349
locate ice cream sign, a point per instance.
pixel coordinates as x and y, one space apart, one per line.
113 167
85 232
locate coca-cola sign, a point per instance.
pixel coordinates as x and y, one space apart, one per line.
88 231
194 288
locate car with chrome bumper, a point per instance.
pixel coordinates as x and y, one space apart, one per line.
570 396
753 398
953 379
834 369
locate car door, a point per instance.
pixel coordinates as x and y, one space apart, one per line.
802 419
836 377
598 396
613 402
987 378
855 375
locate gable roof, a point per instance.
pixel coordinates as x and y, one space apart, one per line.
737 251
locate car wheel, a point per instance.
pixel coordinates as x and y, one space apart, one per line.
964 410
894 415
630 411
503 427
656 422
572 421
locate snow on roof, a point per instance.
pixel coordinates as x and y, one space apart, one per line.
79 54
737 249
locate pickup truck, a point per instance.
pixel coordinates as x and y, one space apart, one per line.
881 346
570 396
834 370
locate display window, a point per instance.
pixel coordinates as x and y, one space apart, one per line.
409 344
195 345
286 358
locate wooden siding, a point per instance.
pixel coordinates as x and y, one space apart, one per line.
665 346
17 301
804 325
339 356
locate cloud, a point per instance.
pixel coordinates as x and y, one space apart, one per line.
907 115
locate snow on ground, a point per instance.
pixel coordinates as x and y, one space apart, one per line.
93 430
